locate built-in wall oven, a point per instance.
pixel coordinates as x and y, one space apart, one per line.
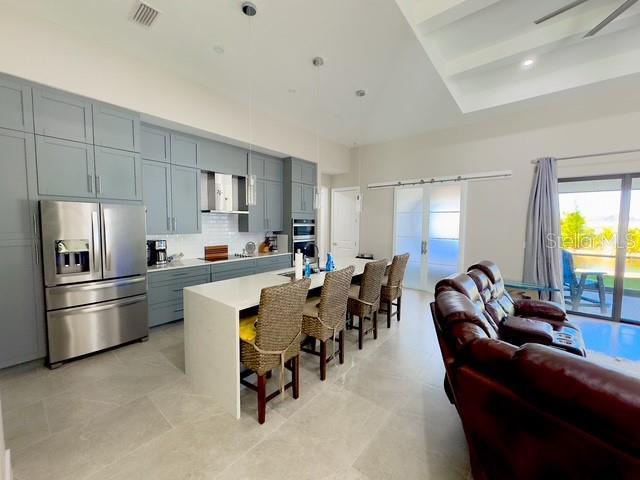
304 237
94 262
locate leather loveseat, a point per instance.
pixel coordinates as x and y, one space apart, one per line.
535 412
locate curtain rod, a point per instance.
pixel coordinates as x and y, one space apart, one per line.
590 155
428 181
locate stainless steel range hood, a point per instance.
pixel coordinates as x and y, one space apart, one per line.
220 193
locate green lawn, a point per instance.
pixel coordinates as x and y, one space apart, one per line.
629 283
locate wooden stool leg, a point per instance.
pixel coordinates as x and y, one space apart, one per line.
360 332
296 376
323 360
262 398
389 304
341 346
375 325
399 306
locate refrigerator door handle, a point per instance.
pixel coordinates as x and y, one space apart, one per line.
95 240
105 242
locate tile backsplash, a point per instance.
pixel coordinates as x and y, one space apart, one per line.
217 229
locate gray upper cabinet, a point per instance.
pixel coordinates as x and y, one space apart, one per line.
64 168
266 167
297 205
116 128
155 143
303 172
22 328
222 158
61 115
256 164
18 213
185 150
273 205
256 220
15 105
156 195
185 199
308 200
118 174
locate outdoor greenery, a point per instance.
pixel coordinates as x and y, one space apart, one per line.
577 235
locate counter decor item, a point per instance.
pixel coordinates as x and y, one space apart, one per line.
250 248
298 264
330 266
265 247
213 253
307 268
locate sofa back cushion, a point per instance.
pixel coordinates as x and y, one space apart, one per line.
499 293
462 320
464 284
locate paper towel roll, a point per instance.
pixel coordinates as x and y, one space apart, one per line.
298 264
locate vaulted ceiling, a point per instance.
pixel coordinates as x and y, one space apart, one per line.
491 53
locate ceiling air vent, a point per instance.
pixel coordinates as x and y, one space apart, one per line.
144 14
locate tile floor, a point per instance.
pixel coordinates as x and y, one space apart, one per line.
129 414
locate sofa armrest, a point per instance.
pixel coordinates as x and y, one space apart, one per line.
539 308
518 330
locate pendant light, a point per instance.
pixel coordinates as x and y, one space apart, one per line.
360 94
250 10
317 62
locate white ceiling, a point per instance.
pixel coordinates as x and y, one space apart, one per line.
472 61
478 46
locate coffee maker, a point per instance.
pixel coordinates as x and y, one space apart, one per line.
156 252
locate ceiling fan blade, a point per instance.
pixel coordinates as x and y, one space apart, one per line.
559 11
616 13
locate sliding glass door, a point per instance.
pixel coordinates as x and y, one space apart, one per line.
427 224
600 228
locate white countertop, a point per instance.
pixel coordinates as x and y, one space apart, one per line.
244 292
196 262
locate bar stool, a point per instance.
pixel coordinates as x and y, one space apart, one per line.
364 299
272 339
392 287
324 317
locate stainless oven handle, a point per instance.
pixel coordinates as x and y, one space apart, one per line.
101 307
94 240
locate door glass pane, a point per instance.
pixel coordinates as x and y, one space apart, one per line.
631 285
443 246
589 214
409 215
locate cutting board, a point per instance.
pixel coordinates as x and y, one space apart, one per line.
216 252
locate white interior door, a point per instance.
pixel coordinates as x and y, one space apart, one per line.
427 224
345 222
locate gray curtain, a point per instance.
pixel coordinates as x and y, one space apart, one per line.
542 254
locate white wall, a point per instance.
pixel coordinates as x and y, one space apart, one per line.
43 52
496 209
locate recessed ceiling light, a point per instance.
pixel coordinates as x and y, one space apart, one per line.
218 49
528 62
360 93
292 90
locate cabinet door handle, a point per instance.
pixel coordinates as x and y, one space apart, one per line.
90 183
35 224
169 226
98 184
175 224
35 251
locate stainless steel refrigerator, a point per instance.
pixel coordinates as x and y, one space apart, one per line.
94 261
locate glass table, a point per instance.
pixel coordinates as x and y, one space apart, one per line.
529 287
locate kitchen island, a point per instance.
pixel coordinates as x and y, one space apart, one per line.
212 327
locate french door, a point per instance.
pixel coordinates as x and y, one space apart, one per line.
600 227
428 224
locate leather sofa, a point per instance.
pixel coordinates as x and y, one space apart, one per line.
534 412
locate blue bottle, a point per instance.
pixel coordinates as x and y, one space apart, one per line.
330 266
307 268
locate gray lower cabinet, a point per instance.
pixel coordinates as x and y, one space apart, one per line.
156 196
228 270
118 174
15 99
185 199
116 128
155 143
164 292
185 150
65 168
222 158
18 214
61 115
22 331
269 264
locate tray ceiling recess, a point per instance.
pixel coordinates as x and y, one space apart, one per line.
497 52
